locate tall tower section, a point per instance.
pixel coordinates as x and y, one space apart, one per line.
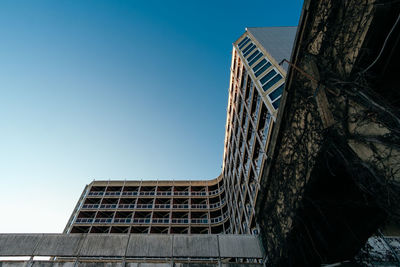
256 85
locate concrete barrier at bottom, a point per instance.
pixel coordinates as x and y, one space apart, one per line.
115 264
131 246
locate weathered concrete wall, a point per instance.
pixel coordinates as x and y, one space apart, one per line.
135 245
201 246
110 264
148 245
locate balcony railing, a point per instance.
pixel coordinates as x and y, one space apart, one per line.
96 193
147 193
180 220
182 193
180 206
162 206
84 220
201 193
156 206
90 206
199 206
108 206
130 193
122 220
126 206
113 193
160 220
103 220
144 206
164 193
153 220
199 220
141 220
153 193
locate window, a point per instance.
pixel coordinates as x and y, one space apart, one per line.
276 93
243 42
247 48
272 82
248 51
255 59
276 103
267 76
259 65
253 55
266 66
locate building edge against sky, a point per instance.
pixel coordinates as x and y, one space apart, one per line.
225 204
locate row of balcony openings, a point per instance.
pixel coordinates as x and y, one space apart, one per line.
155 190
153 229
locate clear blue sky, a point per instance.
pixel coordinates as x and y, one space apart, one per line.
113 90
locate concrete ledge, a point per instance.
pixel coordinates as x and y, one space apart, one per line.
104 245
195 246
18 244
59 244
131 245
117 264
144 245
242 246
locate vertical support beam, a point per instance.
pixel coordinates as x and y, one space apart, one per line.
172 251
126 249
30 262
219 253
82 241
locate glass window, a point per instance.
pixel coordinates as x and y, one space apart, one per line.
259 65
243 42
253 55
267 76
266 66
276 93
255 59
247 48
272 82
249 51
276 103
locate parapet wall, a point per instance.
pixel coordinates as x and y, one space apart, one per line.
124 248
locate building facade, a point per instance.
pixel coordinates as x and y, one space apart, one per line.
222 205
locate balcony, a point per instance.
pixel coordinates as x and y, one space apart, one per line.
180 221
199 221
96 193
147 193
103 220
126 206
108 206
199 206
144 206
113 193
180 206
130 193
160 220
141 220
84 220
162 206
122 220
90 206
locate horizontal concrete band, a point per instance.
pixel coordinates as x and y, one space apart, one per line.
119 264
131 245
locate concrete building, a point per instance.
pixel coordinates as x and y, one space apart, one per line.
222 205
329 182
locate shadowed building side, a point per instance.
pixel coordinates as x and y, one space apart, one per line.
334 174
